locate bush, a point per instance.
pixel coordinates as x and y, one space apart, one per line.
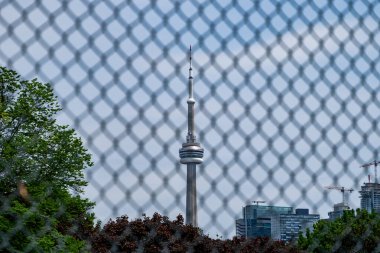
160 234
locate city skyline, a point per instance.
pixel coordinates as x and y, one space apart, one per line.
277 222
287 98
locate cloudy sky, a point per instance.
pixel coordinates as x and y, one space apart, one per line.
286 94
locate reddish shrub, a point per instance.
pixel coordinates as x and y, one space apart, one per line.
158 233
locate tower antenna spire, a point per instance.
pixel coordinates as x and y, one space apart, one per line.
190 58
190 85
191 154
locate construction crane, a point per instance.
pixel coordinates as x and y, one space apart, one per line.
342 190
257 202
374 163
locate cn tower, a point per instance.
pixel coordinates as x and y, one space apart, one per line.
191 154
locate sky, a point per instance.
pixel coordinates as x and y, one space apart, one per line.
286 95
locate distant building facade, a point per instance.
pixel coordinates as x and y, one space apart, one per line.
257 220
370 197
276 222
338 211
292 224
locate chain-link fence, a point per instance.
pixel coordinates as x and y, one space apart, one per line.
287 97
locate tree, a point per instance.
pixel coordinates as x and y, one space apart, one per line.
352 232
41 171
33 147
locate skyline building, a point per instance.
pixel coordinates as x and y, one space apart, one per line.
370 197
338 210
276 222
256 220
191 154
286 227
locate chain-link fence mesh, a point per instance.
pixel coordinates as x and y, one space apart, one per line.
287 97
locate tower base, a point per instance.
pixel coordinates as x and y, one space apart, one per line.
191 195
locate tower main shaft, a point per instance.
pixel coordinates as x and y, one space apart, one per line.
191 154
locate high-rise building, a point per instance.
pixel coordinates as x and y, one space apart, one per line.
290 225
339 208
279 223
370 197
191 154
256 220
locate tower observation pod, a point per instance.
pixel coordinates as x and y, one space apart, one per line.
191 154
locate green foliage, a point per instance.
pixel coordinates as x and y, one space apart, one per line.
352 232
41 166
29 229
33 147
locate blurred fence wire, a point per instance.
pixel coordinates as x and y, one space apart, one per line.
287 97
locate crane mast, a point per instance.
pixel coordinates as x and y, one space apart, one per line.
342 190
374 163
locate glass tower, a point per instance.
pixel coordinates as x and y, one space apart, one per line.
276 222
370 197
